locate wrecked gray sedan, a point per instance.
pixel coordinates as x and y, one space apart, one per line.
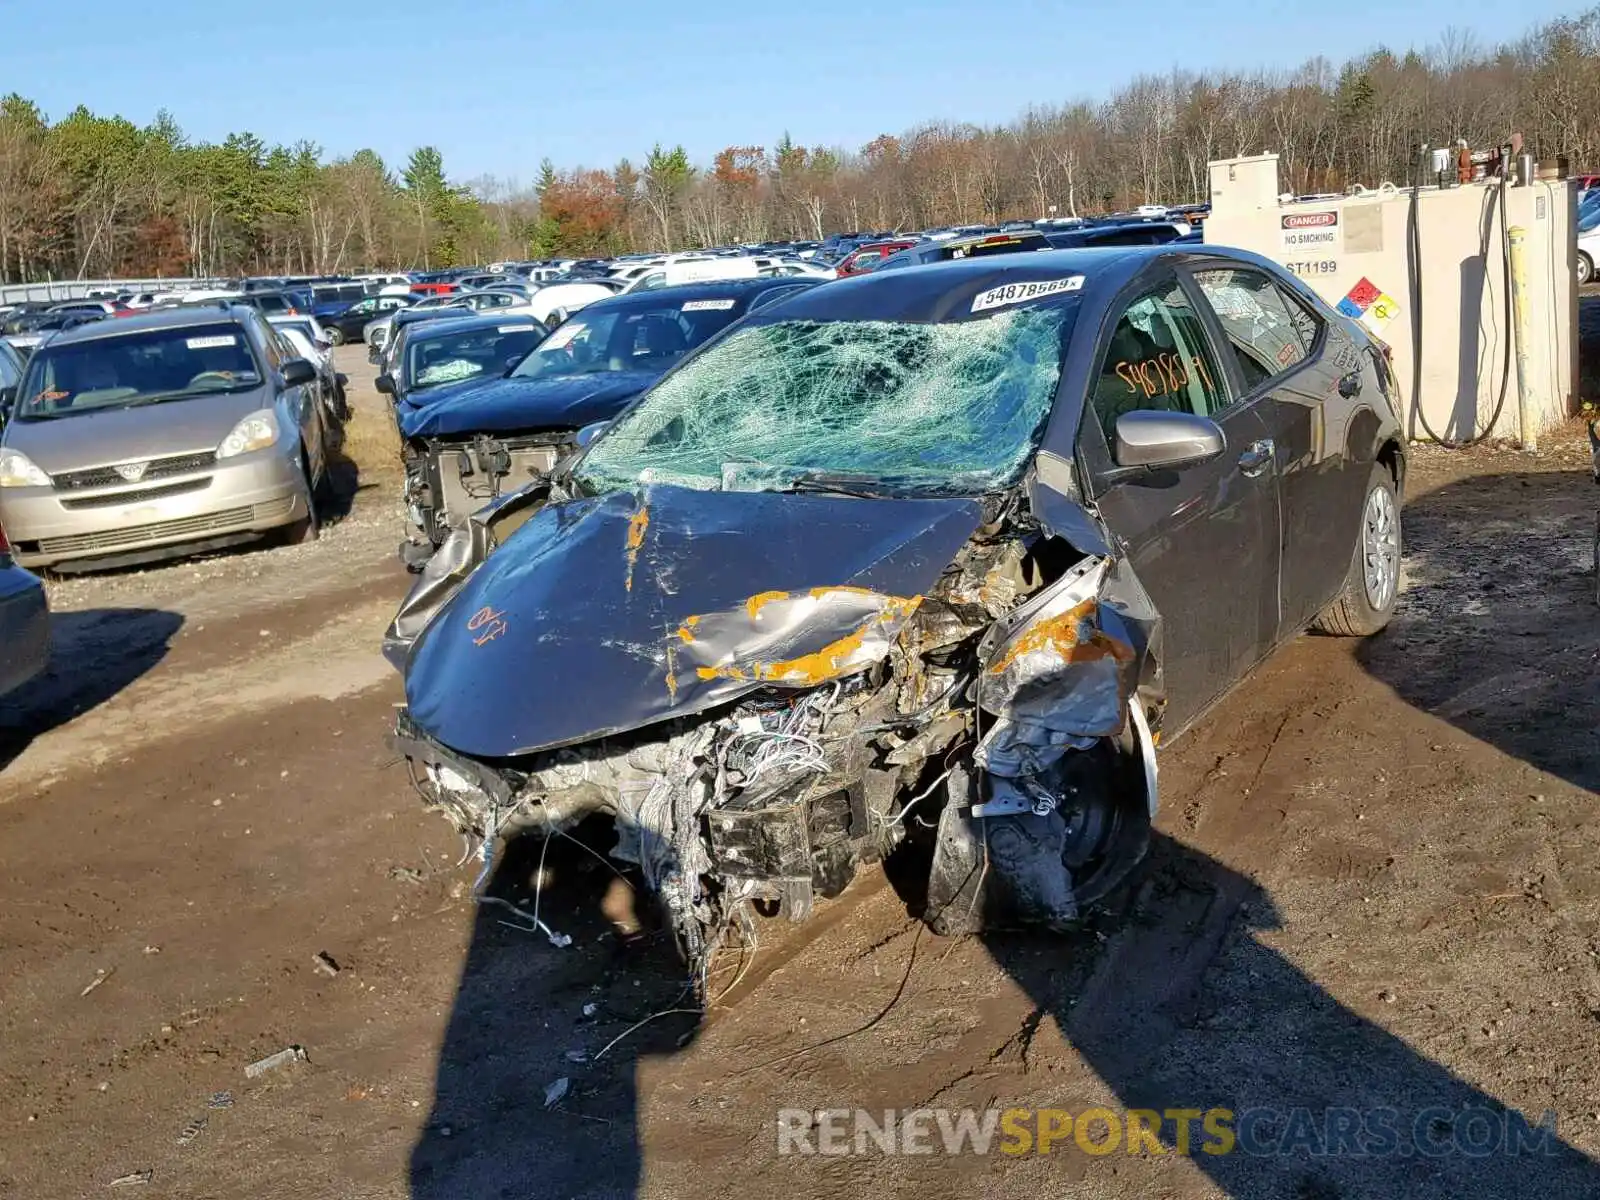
936 554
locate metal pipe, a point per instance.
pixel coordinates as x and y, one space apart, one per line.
1526 431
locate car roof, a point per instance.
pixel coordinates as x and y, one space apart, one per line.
710 289
941 292
408 316
159 318
476 321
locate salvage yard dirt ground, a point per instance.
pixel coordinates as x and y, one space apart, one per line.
1377 883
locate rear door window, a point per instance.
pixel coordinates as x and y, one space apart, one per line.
1269 333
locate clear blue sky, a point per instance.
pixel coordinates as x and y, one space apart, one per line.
499 84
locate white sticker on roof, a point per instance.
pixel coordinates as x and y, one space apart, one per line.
708 305
1016 293
211 343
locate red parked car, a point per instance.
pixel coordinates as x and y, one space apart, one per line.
863 258
434 289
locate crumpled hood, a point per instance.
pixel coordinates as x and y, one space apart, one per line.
617 612
508 404
119 435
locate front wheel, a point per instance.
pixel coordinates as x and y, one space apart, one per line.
1366 603
335 335
309 527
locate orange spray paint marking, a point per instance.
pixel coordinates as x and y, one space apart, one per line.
760 600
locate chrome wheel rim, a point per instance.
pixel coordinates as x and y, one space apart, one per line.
1380 548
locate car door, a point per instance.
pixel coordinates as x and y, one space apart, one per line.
1203 540
10 379
1291 364
300 402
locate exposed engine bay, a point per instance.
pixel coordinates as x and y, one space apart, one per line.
994 706
447 479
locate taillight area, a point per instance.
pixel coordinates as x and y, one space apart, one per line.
5 543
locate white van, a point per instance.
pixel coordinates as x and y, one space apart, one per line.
699 270
555 302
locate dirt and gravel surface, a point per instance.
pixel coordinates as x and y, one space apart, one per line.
1377 883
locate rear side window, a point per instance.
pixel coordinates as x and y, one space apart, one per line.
1268 332
998 244
1158 359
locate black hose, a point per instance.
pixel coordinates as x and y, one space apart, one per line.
1414 234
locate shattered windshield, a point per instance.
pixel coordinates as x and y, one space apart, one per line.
953 408
632 338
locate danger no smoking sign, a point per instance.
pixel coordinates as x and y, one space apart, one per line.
1312 231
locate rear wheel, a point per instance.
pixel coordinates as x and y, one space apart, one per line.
1372 586
335 335
1597 561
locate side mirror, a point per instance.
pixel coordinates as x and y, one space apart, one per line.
1149 440
298 372
589 432
385 384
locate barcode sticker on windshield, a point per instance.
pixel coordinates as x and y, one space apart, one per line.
708 305
514 329
1016 293
211 343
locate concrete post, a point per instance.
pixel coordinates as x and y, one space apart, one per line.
1527 430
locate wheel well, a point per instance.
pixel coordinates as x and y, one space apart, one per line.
1391 456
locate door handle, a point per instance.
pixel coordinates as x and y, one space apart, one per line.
1256 458
1350 384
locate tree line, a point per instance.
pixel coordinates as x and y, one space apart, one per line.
88 196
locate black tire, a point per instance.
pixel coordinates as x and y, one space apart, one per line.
1353 612
335 335
1597 560
309 527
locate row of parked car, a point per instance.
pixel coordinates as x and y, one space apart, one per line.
455 349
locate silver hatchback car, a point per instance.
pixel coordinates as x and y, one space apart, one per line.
164 434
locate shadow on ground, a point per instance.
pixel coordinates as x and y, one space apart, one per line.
94 654
1174 998
522 1020
1186 1006
1498 632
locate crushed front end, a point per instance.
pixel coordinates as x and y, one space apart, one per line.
764 692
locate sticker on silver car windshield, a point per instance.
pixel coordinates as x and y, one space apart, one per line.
1016 293
708 305
211 343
